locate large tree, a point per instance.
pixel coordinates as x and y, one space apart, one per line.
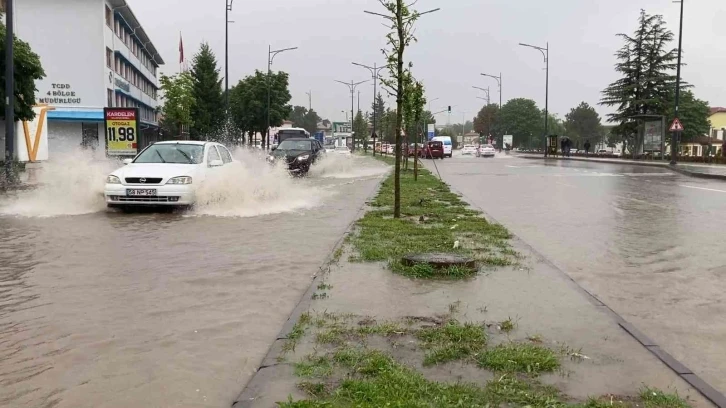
248 102
487 121
209 110
693 114
646 63
524 121
583 123
360 128
178 98
27 70
310 121
297 116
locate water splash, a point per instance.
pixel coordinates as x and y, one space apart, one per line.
70 184
338 166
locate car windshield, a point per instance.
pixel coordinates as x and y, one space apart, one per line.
176 153
295 145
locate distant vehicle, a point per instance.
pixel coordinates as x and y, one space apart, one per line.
434 149
298 153
486 151
342 150
468 150
165 174
330 148
446 140
287 133
390 149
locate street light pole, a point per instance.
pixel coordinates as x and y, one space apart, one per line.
375 70
499 82
546 54
310 100
270 58
676 135
352 85
9 92
226 55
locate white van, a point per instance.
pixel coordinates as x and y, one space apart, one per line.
446 140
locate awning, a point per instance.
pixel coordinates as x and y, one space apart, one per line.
76 115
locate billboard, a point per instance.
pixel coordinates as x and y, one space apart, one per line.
342 127
653 138
122 131
508 141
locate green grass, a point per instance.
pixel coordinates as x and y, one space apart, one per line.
519 357
314 367
654 398
507 326
380 237
451 341
297 332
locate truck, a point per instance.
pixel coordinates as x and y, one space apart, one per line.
287 133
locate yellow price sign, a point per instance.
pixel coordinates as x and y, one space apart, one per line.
122 131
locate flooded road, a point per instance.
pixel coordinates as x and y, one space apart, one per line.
646 241
159 309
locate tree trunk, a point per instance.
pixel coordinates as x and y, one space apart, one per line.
399 111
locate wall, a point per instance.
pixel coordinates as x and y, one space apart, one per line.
718 120
68 36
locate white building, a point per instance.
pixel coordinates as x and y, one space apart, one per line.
95 54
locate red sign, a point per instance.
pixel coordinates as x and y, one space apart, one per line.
676 126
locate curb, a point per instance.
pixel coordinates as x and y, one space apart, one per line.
248 394
686 374
647 164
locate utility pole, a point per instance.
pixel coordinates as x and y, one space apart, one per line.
375 70
9 93
500 143
310 100
352 85
358 101
675 137
270 58
546 54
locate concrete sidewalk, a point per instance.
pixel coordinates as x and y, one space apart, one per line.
708 171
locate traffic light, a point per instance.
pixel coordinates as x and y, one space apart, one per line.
449 109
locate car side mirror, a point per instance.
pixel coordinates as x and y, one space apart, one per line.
273 148
127 161
216 163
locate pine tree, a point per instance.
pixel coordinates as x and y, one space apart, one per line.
208 111
378 109
647 64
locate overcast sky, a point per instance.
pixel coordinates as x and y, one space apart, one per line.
455 45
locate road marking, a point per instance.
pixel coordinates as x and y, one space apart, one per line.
702 188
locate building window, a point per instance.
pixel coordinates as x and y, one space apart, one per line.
109 98
109 18
118 29
109 58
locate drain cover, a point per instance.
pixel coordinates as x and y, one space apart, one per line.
439 260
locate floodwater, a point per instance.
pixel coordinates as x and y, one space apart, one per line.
646 241
102 308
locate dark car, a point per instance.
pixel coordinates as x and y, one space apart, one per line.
434 150
299 154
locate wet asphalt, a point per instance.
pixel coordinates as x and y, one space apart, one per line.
646 241
161 309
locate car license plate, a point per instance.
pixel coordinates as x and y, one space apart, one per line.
141 192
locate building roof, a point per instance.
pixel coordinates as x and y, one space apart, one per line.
716 109
122 7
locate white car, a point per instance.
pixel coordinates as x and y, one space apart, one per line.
486 151
165 173
343 150
468 150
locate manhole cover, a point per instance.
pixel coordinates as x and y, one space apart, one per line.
439 260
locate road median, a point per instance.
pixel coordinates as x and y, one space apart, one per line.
514 331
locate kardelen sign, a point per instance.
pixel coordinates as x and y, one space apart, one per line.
122 131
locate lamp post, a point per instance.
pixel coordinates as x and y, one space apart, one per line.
226 54
9 93
375 70
352 85
310 100
500 143
676 135
486 90
270 58
546 54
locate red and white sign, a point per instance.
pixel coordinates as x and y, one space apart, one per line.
676 126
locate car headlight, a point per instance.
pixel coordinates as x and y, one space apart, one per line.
303 157
113 180
271 158
180 180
